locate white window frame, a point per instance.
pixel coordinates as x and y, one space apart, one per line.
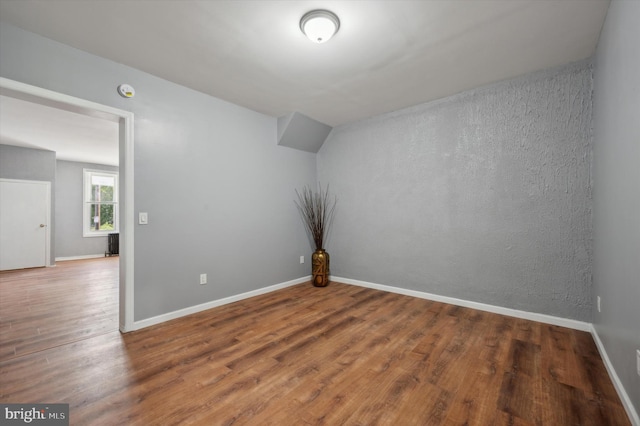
86 203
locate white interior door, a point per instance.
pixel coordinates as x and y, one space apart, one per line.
24 223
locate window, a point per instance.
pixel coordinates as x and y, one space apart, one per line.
100 203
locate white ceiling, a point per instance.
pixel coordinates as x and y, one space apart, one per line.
73 136
387 55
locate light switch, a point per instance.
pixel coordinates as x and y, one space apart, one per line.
143 218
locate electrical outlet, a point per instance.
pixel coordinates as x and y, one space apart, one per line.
599 309
203 278
301 259
638 361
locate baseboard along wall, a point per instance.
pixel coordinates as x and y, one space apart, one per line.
543 318
622 393
137 325
85 256
546 319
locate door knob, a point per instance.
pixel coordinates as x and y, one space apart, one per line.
42 225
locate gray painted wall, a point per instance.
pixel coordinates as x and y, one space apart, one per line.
32 164
616 192
218 189
483 196
68 211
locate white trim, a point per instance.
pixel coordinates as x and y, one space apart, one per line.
47 234
622 393
547 319
84 256
215 303
60 100
128 224
42 96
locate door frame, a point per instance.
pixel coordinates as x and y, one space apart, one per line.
47 241
16 89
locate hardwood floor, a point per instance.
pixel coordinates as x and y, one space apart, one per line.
45 307
332 356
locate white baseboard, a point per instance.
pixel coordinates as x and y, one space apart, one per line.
547 319
137 325
622 393
85 256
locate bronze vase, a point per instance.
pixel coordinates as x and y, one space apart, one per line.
320 268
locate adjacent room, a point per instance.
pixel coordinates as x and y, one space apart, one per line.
484 246
68 163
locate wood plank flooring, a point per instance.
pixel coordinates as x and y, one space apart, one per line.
325 356
45 307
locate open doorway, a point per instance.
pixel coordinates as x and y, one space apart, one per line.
124 120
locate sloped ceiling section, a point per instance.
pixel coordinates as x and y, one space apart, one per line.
298 131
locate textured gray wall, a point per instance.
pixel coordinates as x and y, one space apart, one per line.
69 200
616 192
32 164
483 196
218 189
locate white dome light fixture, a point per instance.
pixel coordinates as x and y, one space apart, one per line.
319 25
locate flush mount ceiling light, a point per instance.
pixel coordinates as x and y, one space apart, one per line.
319 25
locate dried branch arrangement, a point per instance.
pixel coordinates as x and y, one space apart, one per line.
316 209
